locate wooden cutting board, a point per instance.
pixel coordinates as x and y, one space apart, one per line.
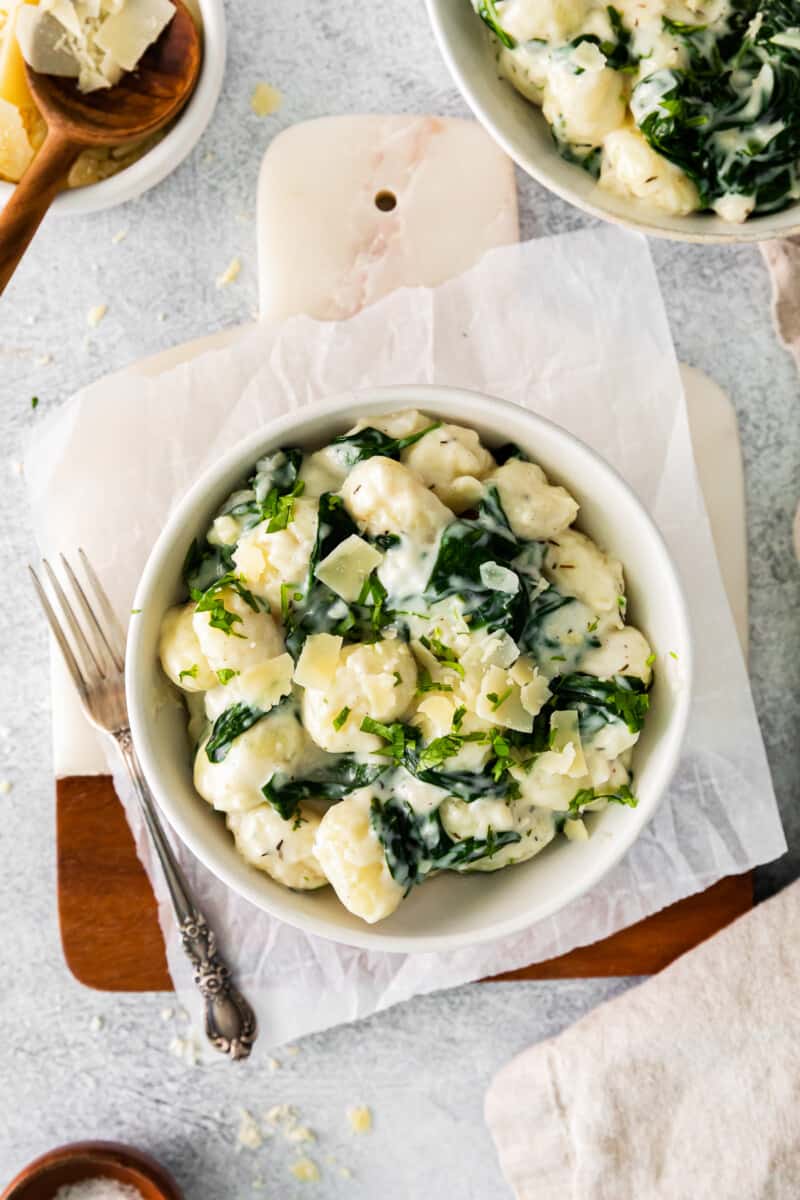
399 206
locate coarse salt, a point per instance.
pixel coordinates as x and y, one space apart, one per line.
98 1189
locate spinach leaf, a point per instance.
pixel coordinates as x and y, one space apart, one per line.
602 701
584 796
534 638
508 450
465 545
205 564
270 493
211 601
332 781
229 725
488 13
366 443
416 845
731 118
318 609
426 763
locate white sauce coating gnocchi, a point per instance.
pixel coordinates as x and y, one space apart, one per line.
353 859
401 634
282 849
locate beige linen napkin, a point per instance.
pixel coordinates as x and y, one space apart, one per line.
685 1088
783 259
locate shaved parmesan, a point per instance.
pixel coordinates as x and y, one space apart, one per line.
576 831
565 730
125 35
316 666
95 42
348 566
534 691
500 702
499 578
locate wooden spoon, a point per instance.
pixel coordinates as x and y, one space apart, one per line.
142 102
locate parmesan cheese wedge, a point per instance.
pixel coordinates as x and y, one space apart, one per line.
126 34
348 566
13 82
500 701
576 831
565 756
16 152
565 731
316 666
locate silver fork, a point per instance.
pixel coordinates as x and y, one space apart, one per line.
94 651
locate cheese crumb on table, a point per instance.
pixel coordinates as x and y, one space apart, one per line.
186 1049
5 786
306 1170
285 1118
96 314
360 1119
167 1014
265 100
249 1135
119 236
230 273
96 1024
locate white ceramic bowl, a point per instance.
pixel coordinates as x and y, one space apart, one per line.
448 911
165 156
519 127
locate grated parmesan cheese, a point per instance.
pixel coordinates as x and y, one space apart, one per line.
360 1119
306 1170
265 100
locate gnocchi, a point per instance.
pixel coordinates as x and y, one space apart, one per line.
415 664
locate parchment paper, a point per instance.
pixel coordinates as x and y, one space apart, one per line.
573 327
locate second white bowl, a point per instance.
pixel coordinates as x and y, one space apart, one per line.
519 127
449 911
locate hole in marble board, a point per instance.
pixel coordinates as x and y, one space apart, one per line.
385 200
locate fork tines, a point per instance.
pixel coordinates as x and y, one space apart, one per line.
93 648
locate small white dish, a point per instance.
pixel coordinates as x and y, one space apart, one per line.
176 144
448 911
520 129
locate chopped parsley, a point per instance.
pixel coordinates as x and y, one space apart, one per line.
189 673
341 717
226 674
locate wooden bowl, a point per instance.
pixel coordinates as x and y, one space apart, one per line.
42 1178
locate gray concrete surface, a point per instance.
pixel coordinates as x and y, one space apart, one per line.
422 1067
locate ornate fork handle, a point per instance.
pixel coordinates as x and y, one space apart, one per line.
229 1019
